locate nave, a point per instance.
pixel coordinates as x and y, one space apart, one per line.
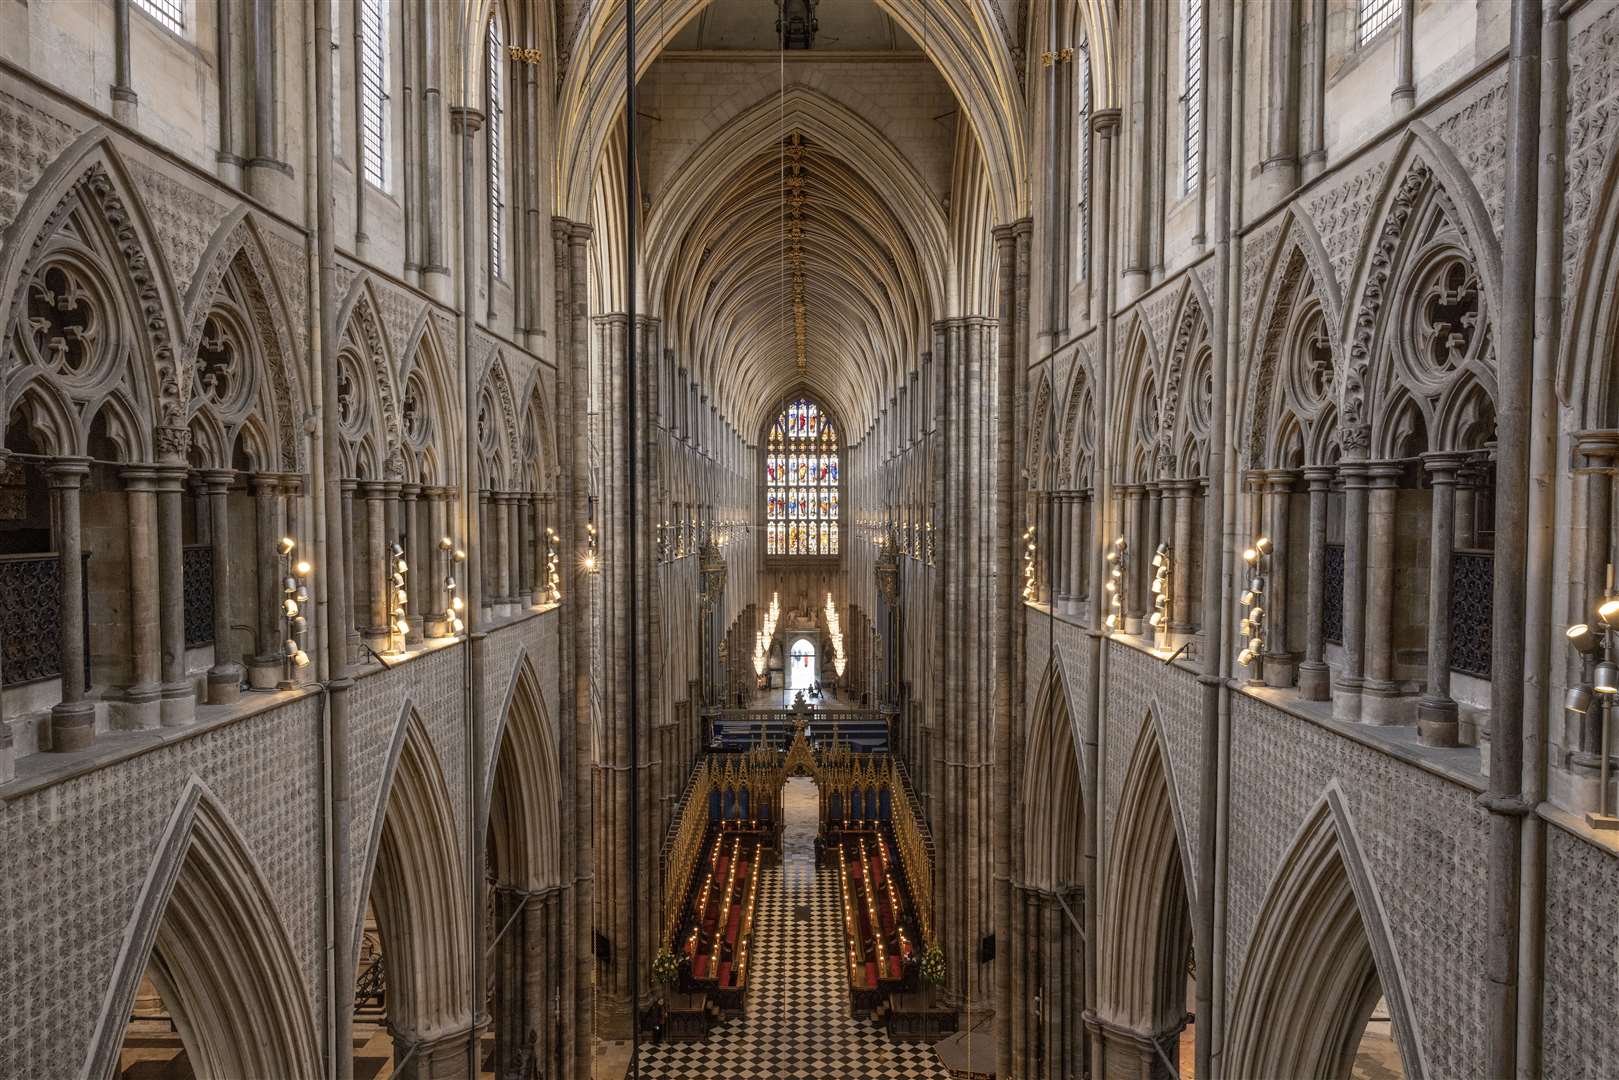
797 1021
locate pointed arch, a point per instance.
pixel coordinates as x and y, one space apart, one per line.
1053 788
1147 900
415 876
523 791
206 917
1319 959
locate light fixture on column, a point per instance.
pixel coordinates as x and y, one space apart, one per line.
553 576
1597 695
1118 556
1252 625
834 633
1163 562
590 548
294 594
398 624
1030 586
454 604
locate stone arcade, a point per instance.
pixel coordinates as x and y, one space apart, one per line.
1046 539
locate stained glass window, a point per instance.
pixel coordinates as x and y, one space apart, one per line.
802 460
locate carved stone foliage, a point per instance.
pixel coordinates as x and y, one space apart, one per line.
1295 373
1340 212
183 218
1593 120
29 141
1078 431
367 409
1477 132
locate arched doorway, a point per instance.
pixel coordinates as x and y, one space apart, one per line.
801 666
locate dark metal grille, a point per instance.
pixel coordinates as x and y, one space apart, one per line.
374 90
197 561
1192 102
1374 17
30 618
1332 608
170 13
1472 600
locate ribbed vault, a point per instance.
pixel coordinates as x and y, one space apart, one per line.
870 253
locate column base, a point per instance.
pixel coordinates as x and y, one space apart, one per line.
135 708
263 672
1315 681
1133 624
436 628
1385 704
1346 699
1436 722
378 638
1280 671
224 684
442 1057
179 704
73 726
8 756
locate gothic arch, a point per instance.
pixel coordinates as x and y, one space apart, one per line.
415 875
524 787
207 920
1428 211
1319 958
1147 900
1587 372
1052 786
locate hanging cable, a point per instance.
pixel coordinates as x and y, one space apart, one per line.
631 567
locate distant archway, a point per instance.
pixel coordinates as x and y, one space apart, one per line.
801 667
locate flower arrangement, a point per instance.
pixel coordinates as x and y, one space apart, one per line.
933 966
665 967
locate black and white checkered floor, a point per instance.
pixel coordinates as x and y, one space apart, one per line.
797 1025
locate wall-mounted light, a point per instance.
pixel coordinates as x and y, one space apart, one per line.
1597 695
1118 558
1030 557
294 594
454 605
1252 625
1163 564
553 577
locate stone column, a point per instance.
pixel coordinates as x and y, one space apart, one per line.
1346 690
264 670
354 550
1381 701
1151 534
1315 678
1181 586
516 591
1079 509
1278 667
124 100
1436 711
225 677
1134 534
418 555
73 719
373 563
439 563
179 695
139 705
524 527
500 546
393 529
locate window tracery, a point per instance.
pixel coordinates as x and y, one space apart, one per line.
802 465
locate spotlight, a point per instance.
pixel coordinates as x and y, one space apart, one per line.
302 595
395 550
1156 619
1246 627
455 603
1578 699
1582 638
1255 644
290 607
1112 621
401 566
1606 678
449 583
1257 584
402 626
300 659
445 543
456 626
1247 597
291 583
1608 611
1157 585
1246 657
400 597
398 580
299 624
460 556
291 647
1257 614
1250 556
303 568
1263 544
285 545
